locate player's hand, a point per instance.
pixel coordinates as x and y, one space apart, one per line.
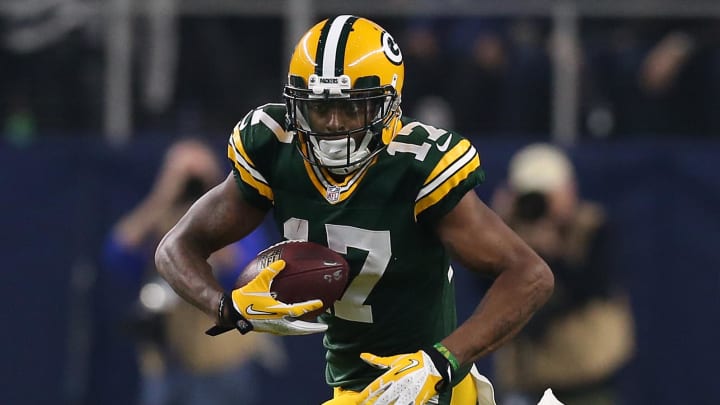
254 308
411 378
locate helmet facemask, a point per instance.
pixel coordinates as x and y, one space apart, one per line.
337 127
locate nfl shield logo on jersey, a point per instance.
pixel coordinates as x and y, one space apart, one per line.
332 194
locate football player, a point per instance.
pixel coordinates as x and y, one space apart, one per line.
339 165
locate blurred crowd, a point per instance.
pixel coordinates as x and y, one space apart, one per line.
494 76
480 76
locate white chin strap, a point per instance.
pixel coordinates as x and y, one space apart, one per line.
334 152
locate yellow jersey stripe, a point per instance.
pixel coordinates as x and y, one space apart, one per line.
444 183
313 178
247 174
238 146
450 167
346 193
245 167
454 153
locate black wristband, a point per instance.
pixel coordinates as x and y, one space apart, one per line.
442 364
226 314
228 319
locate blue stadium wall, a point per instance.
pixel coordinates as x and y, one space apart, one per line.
60 342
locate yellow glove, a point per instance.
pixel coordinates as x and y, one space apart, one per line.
254 308
411 378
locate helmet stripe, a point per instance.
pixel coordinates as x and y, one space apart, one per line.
330 56
341 44
320 51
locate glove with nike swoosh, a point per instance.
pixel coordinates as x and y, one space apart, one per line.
254 308
411 378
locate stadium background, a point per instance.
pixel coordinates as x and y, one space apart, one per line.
93 91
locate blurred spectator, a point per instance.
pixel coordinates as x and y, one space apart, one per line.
428 67
501 78
480 73
584 335
218 83
178 363
652 77
526 108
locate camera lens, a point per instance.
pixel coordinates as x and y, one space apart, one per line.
531 206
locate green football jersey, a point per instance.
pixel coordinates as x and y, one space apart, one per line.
400 297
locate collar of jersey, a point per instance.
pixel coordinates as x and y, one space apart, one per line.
322 179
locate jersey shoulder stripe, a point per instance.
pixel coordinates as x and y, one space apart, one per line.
245 167
259 131
452 169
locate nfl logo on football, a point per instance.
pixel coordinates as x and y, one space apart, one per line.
333 194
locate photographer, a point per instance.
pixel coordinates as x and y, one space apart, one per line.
179 364
584 334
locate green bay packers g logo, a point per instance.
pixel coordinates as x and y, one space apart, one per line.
391 49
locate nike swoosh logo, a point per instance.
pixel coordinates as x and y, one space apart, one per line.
444 146
252 311
413 363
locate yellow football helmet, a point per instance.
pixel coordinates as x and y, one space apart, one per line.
343 92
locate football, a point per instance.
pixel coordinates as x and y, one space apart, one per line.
312 271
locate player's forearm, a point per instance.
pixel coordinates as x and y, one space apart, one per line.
186 269
506 308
